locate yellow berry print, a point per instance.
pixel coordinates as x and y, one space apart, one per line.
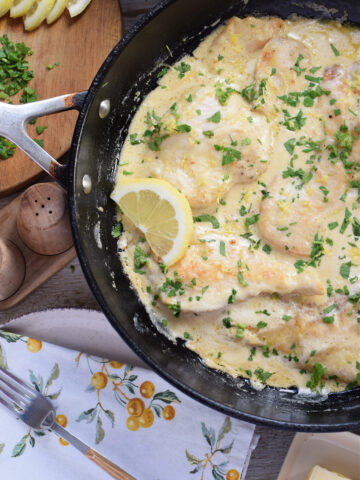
169 412
232 474
33 345
147 418
63 442
61 420
115 364
136 407
99 380
147 389
133 423
127 392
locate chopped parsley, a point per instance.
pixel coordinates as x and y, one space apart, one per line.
251 220
140 259
317 373
335 50
262 375
182 69
261 324
163 72
267 249
207 218
117 230
230 154
215 118
231 298
295 122
222 248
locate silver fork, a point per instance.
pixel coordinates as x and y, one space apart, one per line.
37 411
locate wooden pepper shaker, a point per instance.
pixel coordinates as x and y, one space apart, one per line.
43 219
12 269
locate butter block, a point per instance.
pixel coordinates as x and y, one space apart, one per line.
320 473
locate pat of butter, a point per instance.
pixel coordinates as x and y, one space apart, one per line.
319 473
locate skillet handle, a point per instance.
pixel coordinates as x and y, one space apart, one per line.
14 121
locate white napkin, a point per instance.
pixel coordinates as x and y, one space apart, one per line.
167 436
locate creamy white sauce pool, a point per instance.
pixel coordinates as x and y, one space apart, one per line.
270 294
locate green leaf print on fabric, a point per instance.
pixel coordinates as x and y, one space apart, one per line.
140 403
219 470
2 445
42 387
10 337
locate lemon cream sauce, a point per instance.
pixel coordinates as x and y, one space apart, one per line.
259 130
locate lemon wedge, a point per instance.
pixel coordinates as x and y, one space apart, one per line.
76 7
20 7
37 13
160 212
5 6
56 11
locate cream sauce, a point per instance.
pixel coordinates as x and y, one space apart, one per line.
304 332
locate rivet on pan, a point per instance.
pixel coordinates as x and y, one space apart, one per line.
86 184
104 108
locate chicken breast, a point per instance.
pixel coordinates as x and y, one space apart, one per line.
219 269
241 37
294 212
336 346
222 148
280 63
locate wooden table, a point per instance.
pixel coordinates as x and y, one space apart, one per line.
68 288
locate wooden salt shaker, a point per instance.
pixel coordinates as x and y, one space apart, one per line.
43 219
12 268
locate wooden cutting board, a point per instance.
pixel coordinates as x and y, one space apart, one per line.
80 45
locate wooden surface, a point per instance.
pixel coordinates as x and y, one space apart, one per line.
80 45
68 288
38 268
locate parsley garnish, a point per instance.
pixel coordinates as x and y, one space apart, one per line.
117 230
293 123
231 298
215 118
317 373
222 248
207 218
251 220
262 375
140 259
230 154
182 69
162 72
335 50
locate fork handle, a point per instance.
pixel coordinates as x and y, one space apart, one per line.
109 467
93 455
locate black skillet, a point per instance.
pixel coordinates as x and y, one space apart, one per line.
127 75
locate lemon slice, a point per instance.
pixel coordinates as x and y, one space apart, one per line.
5 6
37 13
20 7
57 11
76 7
160 212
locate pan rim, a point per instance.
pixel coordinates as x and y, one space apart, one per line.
71 187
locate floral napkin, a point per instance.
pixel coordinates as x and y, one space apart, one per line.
129 414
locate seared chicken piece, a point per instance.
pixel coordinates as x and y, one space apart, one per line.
241 270
293 214
336 346
205 162
242 36
279 63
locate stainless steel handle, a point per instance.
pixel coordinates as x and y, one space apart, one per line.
13 125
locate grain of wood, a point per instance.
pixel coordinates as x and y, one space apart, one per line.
80 46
